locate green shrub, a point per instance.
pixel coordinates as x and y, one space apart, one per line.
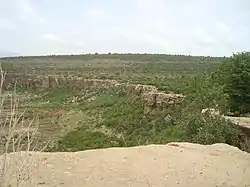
122 115
82 139
204 92
208 129
235 75
56 97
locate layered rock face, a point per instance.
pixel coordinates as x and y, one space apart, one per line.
149 94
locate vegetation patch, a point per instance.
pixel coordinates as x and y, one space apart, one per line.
103 118
125 118
128 124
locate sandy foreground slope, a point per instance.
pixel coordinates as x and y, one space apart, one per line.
174 164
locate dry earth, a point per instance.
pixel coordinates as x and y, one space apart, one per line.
174 164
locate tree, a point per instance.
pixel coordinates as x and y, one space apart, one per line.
237 82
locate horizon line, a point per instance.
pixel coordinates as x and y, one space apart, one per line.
110 53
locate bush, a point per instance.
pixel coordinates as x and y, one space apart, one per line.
204 92
81 139
122 122
235 74
208 129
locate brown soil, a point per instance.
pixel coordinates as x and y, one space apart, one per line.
175 164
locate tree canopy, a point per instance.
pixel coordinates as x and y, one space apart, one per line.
235 74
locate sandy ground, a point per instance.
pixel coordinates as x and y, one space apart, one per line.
175 164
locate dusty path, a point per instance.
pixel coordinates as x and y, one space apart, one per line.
179 164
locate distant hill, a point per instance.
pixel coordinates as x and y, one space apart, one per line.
123 56
7 54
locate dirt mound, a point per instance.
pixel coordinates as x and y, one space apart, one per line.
175 164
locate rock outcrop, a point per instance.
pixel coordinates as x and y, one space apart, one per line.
148 93
244 125
174 164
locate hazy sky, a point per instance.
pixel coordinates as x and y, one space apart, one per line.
196 27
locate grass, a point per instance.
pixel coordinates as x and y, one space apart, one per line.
120 120
82 139
55 98
124 117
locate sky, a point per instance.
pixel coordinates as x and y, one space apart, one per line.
189 27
